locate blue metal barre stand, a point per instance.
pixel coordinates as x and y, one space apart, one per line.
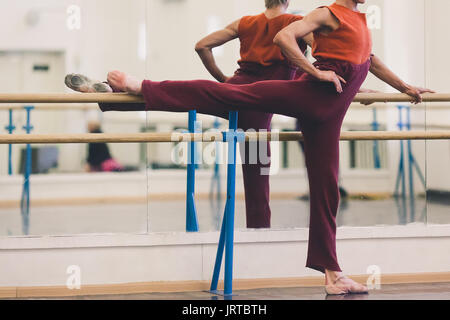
10 128
226 239
25 201
409 160
191 211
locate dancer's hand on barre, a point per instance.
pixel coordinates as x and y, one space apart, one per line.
381 71
331 76
416 93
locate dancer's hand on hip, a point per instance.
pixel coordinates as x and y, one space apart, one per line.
331 76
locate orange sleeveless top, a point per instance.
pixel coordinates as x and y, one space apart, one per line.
256 34
351 42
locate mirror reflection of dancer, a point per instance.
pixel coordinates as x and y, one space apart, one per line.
260 60
319 98
99 158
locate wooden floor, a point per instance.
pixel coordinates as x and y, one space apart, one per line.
426 291
160 216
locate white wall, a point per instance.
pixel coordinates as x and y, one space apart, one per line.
106 259
438 46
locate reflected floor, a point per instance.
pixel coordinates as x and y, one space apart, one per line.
170 216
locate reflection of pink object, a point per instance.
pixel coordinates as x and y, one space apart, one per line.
111 165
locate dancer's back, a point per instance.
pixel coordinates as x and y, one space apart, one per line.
256 35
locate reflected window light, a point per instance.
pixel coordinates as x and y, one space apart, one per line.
73 17
374 17
213 24
142 42
33 17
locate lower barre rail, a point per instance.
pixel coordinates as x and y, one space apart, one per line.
210 137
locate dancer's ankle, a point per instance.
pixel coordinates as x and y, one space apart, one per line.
331 276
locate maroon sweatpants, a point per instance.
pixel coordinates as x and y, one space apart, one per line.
319 108
257 199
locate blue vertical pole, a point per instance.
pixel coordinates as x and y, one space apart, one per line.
10 129
219 255
25 202
376 153
191 211
400 169
226 240
231 197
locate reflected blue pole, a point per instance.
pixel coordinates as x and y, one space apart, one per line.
191 211
215 181
401 170
376 152
10 128
411 155
216 177
410 166
25 201
403 167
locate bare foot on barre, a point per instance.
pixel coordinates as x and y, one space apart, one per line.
120 81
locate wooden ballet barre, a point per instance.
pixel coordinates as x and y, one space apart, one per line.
51 107
69 98
93 106
127 98
400 97
210 137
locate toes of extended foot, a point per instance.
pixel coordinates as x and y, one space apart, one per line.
102 87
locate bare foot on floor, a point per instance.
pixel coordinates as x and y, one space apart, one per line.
81 83
353 287
338 284
120 81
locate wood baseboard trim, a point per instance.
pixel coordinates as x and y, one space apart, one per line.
192 286
8 204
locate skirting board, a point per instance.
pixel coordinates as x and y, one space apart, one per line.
192 286
8 204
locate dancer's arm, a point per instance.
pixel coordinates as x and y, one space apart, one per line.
216 39
381 71
286 39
